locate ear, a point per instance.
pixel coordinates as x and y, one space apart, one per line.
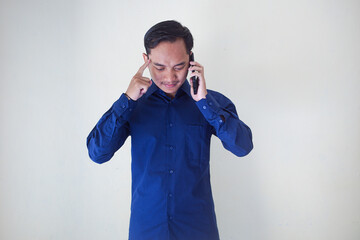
191 53
191 56
145 56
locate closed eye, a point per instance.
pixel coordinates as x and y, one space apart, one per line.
179 68
161 67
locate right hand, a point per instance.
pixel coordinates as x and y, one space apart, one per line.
139 84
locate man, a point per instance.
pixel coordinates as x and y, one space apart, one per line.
170 129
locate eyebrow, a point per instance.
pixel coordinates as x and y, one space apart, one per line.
161 65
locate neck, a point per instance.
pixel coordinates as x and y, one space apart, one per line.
171 95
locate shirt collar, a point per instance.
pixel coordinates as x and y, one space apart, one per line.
186 88
153 88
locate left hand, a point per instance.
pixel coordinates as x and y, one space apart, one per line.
199 72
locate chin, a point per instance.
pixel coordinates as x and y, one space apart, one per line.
170 88
169 92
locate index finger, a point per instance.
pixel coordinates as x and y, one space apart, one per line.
143 67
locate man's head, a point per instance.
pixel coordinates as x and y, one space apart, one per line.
168 45
168 31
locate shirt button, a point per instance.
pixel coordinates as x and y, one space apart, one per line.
170 195
204 107
210 103
123 106
130 109
171 217
171 148
171 171
170 124
220 121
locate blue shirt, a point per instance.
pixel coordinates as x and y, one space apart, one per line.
170 147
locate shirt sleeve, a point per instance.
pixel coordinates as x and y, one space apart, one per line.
111 131
221 113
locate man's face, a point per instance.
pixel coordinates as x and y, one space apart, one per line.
169 65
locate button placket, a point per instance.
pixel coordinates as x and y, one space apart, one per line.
171 155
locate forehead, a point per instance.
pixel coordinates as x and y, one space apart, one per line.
169 52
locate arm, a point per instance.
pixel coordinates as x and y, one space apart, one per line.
111 131
220 112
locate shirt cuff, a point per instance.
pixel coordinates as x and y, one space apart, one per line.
211 110
123 107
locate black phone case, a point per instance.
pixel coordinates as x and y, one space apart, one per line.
195 80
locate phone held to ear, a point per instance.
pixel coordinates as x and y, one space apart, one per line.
194 79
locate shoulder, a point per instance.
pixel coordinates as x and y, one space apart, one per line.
219 97
215 93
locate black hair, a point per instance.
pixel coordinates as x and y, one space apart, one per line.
167 31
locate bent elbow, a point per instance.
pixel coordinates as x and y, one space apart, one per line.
247 144
239 151
99 158
245 150
97 154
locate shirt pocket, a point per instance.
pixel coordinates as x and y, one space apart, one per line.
195 144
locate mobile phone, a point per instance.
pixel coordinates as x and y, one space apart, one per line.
194 79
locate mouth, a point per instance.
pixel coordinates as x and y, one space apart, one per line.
170 85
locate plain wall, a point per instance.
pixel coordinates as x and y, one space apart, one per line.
292 68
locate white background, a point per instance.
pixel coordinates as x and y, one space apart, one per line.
292 68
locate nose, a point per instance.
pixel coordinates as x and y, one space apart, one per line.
170 75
